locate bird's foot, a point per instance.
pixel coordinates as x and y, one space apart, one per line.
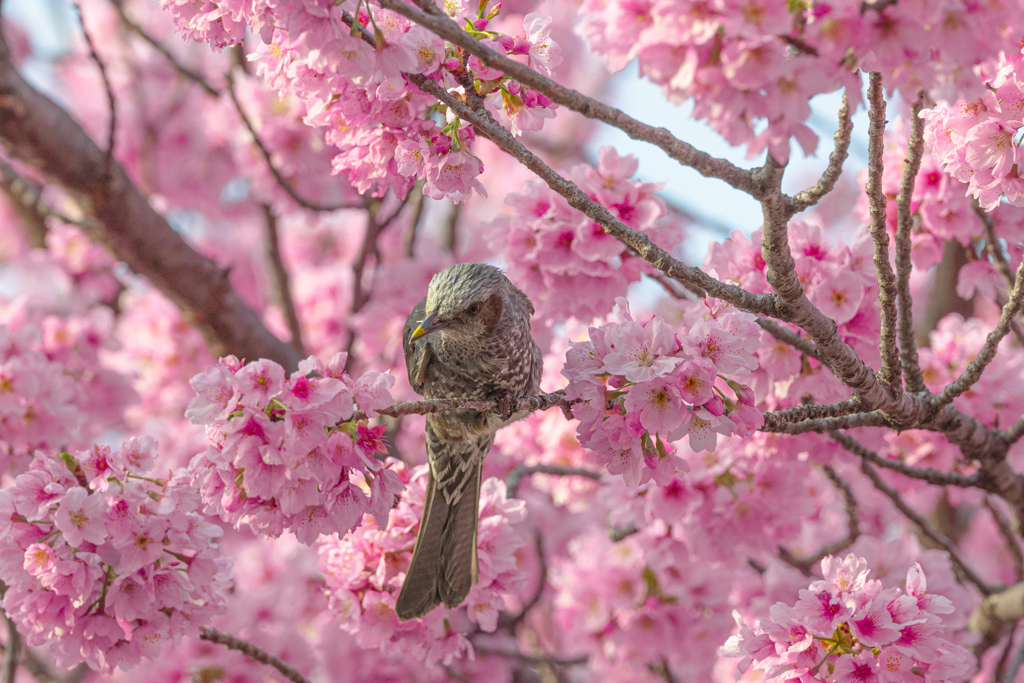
506 404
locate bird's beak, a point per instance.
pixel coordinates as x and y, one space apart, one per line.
428 325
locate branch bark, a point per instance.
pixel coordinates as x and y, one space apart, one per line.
252 652
36 130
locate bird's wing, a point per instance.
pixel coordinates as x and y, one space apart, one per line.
417 355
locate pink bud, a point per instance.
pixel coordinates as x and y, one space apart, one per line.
716 406
506 42
745 395
513 87
451 64
521 46
480 24
494 12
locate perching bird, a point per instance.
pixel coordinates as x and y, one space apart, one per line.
470 338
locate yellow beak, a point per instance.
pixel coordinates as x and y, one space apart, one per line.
428 325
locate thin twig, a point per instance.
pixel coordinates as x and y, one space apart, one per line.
784 334
111 101
1011 537
682 152
890 372
252 652
1005 656
972 373
852 528
515 477
825 184
932 476
185 71
908 347
281 281
927 529
268 158
542 579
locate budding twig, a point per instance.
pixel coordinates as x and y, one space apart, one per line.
108 159
252 652
784 334
684 153
908 347
811 196
813 411
890 372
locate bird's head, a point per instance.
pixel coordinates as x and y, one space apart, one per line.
465 302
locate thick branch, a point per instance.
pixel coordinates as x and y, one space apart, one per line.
890 372
811 411
908 347
824 425
684 153
811 196
252 652
36 130
927 529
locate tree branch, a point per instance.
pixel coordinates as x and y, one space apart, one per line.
927 529
527 404
1010 536
784 334
279 277
932 476
11 651
852 528
252 652
812 411
533 659
874 418
185 71
994 612
108 158
515 477
890 372
684 153
36 130
811 196
908 347
972 373
268 158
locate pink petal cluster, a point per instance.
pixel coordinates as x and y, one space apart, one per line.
284 453
382 126
54 390
366 568
849 629
566 262
103 564
747 63
978 141
641 386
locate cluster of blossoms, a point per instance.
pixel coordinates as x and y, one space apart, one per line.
848 628
104 564
87 263
978 141
838 278
746 62
365 571
54 391
554 250
388 133
284 454
640 387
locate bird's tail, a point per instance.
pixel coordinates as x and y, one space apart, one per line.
444 561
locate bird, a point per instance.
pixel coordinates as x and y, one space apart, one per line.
468 338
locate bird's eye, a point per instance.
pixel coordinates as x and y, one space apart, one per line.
475 308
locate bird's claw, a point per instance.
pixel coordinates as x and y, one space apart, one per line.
506 404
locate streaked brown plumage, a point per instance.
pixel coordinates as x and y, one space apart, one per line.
470 337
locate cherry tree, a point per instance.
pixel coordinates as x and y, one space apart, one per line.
796 460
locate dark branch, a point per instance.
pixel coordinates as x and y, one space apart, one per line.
515 477
111 100
908 347
252 652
